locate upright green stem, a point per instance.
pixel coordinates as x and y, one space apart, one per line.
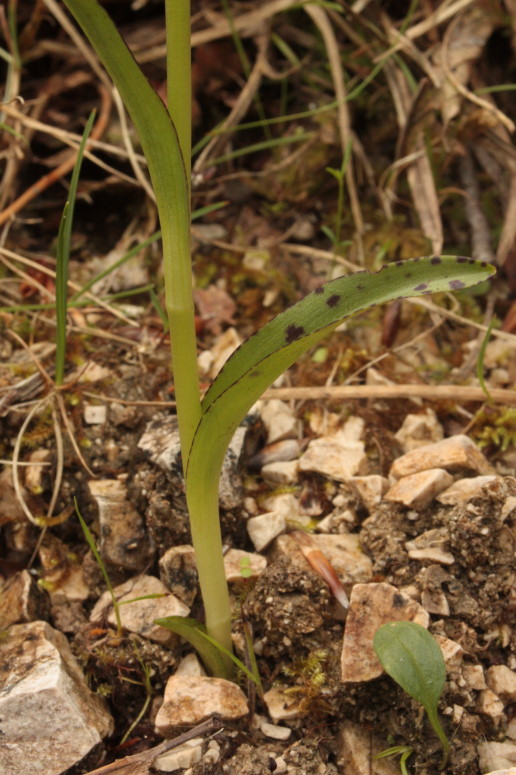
203 510
178 285
179 75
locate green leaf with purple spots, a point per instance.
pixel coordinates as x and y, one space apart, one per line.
255 365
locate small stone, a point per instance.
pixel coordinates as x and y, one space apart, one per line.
21 601
338 456
502 681
265 528
50 718
139 616
416 491
190 665
474 677
186 755
281 472
371 489
452 652
274 731
489 704
124 542
189 700
454 454
279 420
358 750
372 605
431 545
95 414
463 490
281 704
178 571
494 756
331 459
418 430
285 451
435 602
240 566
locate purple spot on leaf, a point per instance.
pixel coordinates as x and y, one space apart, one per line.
421 287
320 289
435 260
456 285
332 301
293 332
461 259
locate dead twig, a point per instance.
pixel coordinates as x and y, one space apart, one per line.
140 763
459 393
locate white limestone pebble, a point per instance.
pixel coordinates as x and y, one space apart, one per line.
418 490
190 699
138 616
340 455
371 489
502 680
265 528
279 420
463 490
50 718
357 751
453 454
418 430
370 606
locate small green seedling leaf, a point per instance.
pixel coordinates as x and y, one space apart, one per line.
412 657
403 751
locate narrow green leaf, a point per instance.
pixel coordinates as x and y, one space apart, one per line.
265 355
412 657
64 239
210 651
93 546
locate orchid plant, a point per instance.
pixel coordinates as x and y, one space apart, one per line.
206 426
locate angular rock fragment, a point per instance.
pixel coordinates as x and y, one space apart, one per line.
280 472
264 528
419 430
371 489
432 545
279 420
418 490
139 615
189 700
453 454
281 703
339 456
463 490
372 605
160 441
494 756
490 705
502 681
21 601
240 565
178 571
358 750
123 540
50 718
184 756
